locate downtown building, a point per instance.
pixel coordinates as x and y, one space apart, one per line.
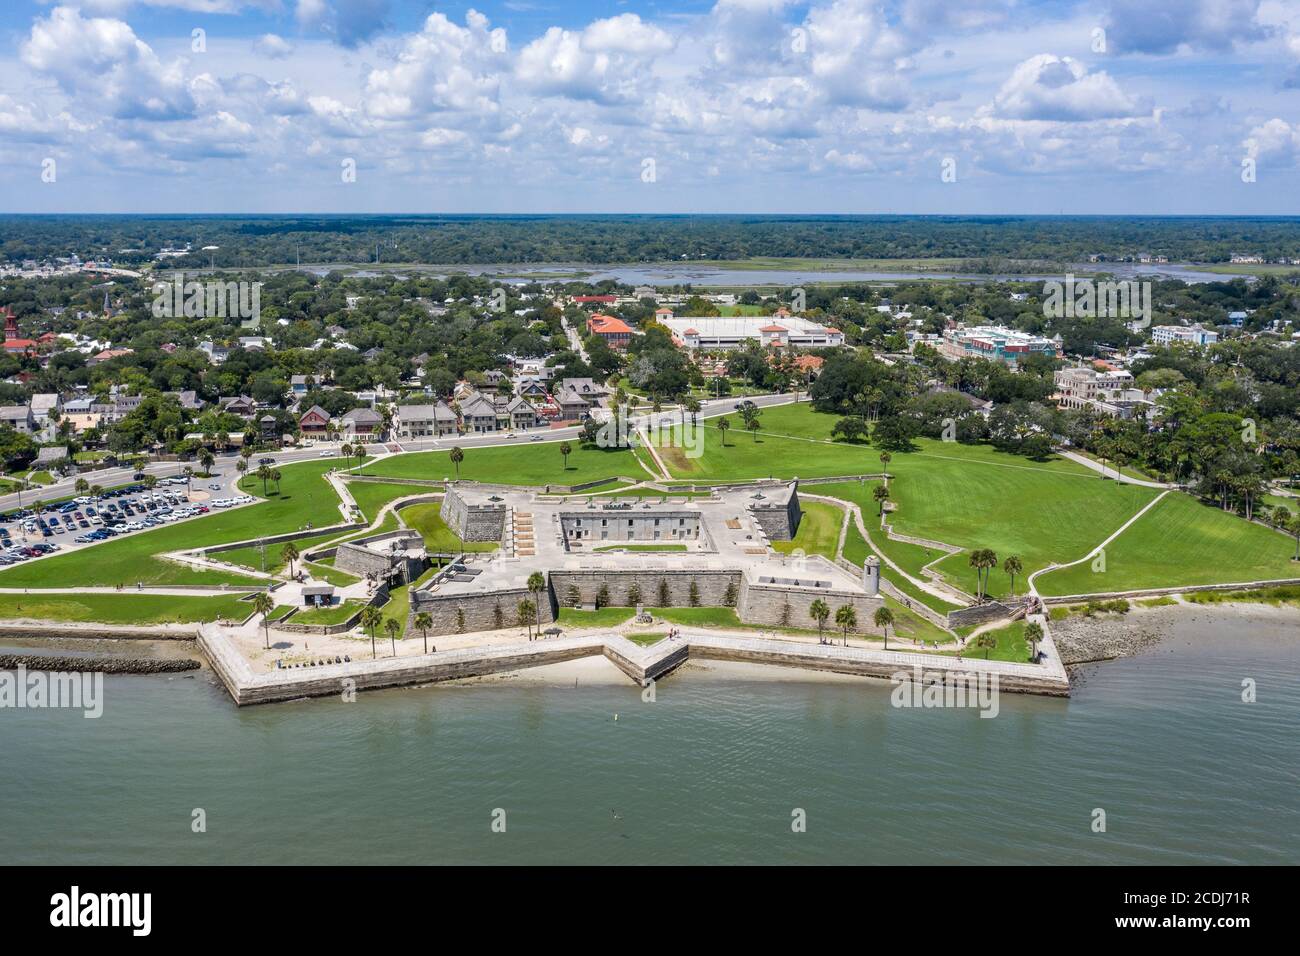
1008 346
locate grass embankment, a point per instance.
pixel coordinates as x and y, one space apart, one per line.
819 530
525 464
335 614
1181 542
122 608
1280 596
425 519
1011 645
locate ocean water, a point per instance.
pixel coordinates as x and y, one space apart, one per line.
711 772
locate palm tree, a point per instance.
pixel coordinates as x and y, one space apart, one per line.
392 628
536 584
525 613
457 455
188 474
275 479
981 559
290 554
565 450
370 618
819 612
881 494
1013 567
692 405
847 618
206 460
988 642
723 425
423 621
82 486
1294 527
1033 634
885 459
346 451
264 473
262 604
883 618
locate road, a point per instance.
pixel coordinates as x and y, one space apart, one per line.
224 468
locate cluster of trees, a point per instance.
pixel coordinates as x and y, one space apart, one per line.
274 240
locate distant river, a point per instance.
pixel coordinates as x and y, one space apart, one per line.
702 274
709 773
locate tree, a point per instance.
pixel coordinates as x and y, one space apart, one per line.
694 594
241 466
537 584
275 479
884 617
633 594
393 627
524 613
851 428
847 619
982 559
457 455
262 604
819 612
988 642
82 486
290 554
723 424
1294 527
264 473
565 450
346 450
1013 567
665 596
370 619
692 404
885 459
206 461
1033 634
423 621
881 494
573 596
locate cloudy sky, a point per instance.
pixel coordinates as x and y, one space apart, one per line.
853 106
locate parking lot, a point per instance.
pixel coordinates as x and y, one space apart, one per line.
86 521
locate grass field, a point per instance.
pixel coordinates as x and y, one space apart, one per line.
305 499
604 617
251 556
819 530
1012 645
122 608
371 496
1181 541
425 519
336 614
530 464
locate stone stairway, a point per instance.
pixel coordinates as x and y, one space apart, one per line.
523 544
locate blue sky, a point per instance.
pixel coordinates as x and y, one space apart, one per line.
851 106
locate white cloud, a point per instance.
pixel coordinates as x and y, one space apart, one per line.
443 67
1048 87
272 46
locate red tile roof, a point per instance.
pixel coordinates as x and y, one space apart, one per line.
608 325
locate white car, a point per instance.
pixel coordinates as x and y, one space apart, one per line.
326 453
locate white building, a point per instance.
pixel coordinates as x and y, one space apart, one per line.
734 332
1109 393
1186 334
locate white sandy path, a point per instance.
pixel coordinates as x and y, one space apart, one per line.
1093 553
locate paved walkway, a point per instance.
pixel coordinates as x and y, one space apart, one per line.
1109 472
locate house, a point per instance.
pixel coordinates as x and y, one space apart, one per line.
515 413
616 333
531 387
594 299
363 423
299 385
577 396
216 354
1185 335
424 421
190 401
45 403
1109 392
18 417
242 405
478 414
106 355
314 423
268 426
496 380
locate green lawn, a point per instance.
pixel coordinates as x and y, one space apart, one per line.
305 500
603 617
336 614
640 547
251 556
425 519
819 530
1181 541
1012 646
530 464
371 496
122 608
